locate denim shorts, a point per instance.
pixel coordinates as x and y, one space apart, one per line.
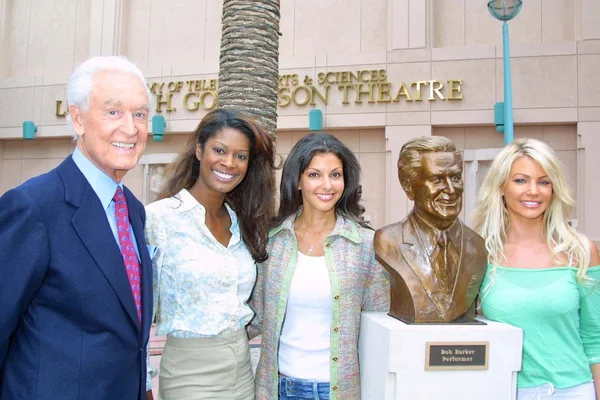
292 389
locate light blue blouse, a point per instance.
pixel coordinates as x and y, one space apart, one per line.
201 288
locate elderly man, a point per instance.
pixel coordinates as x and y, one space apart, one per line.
436 263
76 276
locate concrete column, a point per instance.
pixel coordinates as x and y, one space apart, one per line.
418 16
105 27
398 205
407 24
588 190
587 15
4 29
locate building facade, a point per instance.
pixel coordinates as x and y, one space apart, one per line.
381 71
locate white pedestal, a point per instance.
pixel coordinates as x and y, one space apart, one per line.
392 358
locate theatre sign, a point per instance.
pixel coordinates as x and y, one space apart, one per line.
352 87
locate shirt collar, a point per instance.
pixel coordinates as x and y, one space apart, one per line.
189 202
431 235
343 227
103 185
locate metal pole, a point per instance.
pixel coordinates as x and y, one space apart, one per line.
509 135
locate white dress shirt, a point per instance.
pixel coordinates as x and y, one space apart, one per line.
201 288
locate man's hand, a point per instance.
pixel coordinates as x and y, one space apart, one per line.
149 395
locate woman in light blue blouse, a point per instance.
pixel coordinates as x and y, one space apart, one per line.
210 226
543 276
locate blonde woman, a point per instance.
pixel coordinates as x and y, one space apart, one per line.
542 274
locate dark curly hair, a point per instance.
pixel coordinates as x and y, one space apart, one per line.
253 198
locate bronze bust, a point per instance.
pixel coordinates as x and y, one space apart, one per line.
436 263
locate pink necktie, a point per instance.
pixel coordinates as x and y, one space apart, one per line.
132 265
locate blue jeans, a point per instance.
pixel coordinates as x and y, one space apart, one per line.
291 389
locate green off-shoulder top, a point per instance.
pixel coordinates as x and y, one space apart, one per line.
560 318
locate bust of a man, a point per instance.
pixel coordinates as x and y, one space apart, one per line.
436 262
158 180
157 183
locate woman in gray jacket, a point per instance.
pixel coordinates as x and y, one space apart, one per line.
320 274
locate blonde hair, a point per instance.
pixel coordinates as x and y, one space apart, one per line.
491 217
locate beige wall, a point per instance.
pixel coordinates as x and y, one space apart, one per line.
552 79
171 32
50 37
555 49
464 23
21 160
43 37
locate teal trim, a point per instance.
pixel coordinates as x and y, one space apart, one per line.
352 233
29 130
282 227
509 135
499 116
282 305
275 231
503 10
315 120
158 127
334 344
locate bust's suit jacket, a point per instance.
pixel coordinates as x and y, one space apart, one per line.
415 291
68 322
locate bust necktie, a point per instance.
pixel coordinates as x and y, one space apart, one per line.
132 265
446 261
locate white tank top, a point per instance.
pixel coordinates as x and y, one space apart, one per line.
304 345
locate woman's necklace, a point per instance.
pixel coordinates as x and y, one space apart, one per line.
311 240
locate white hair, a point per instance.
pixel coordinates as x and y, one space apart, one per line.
491 216
81 81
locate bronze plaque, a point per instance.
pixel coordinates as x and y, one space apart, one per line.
456 355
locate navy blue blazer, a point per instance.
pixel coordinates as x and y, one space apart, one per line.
68 323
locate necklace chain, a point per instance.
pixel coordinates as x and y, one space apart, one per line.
320 238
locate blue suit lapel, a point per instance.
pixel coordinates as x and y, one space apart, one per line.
94 231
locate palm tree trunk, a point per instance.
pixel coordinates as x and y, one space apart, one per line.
249 62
